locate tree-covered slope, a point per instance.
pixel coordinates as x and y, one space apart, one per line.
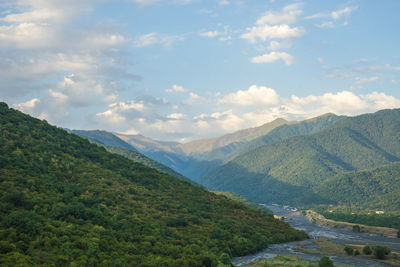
67 201
140 158
304 162
377 188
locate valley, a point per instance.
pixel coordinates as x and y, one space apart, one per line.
325 241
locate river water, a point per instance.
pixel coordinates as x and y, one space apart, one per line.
335 235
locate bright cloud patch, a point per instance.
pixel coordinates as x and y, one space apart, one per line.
274 56
255 95
265 32
155 38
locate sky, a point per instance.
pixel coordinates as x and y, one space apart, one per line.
181 70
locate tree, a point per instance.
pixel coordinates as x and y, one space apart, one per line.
225 259
325 261
367 250
349 250
381 251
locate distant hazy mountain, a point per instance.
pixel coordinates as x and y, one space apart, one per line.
287 170
104 137
285 130
196 159
246 135
129 153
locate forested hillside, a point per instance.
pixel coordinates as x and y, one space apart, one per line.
67 201
377 188
286 171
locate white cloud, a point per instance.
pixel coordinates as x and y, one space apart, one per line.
195 99
176 89
210 34
265 32
274 56
254 95
223 2
154 38
288 15
366 80
327 24
241 109
343 12
334 15
321 60
27 106
359 82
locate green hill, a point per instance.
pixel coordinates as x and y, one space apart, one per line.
65 201
287 170
245 201
377 188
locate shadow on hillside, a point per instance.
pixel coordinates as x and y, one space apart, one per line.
262 188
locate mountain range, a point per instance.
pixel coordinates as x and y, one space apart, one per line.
287 171
287 162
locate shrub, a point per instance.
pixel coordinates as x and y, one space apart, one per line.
325 261
381 251
356 252
367 250
349 250
356 228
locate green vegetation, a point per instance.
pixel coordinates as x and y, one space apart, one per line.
67 201
360 216
245 201
349 250
381 252
325 261
287 171
140 158
367 250
376 188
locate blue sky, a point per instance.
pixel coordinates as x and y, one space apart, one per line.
187 69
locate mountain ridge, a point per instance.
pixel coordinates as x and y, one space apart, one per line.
305 161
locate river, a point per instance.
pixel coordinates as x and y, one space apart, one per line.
335 235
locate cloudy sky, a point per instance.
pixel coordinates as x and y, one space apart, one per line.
188 69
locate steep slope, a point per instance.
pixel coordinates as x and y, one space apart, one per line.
139 158
120 147
65 201
106 138
303 162
377 188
